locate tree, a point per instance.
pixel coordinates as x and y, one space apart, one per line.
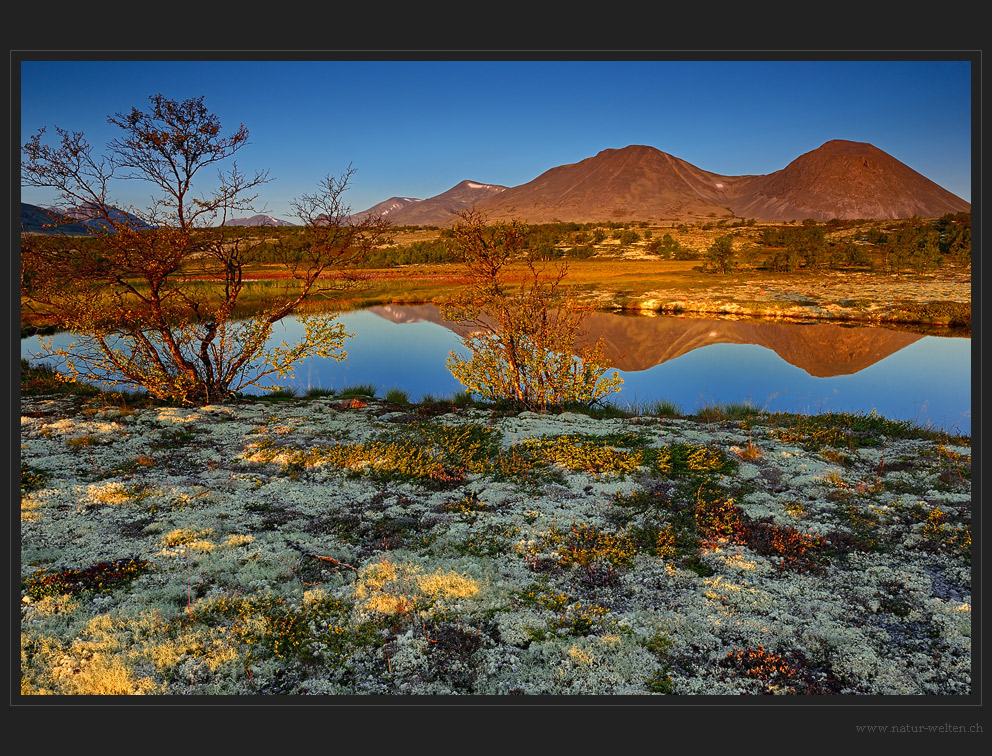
669 246
152 295
525 343
629 236
721 253
812 244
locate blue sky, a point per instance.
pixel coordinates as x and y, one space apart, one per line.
416 128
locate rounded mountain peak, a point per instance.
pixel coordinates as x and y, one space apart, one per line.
845 147
630 150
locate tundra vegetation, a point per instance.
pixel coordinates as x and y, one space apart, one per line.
344 544
861 270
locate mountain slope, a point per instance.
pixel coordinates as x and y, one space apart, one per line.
82 219
843 179
257 220
636 182
39 220
839 179
441 209
384 208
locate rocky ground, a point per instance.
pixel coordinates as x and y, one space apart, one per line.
343 546
942 297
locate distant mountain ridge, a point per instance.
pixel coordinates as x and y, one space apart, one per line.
840 179
441 209
257 220
82 219
40 220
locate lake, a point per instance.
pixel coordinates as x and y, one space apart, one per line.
691 362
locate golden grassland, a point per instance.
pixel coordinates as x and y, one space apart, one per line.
626 277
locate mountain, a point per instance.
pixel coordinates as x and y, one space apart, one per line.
384 208
636 182
257 220
40 220
839 179
843 179
82 219
441 209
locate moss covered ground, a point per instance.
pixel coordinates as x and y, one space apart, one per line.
353 546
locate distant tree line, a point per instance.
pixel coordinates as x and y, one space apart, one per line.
913 244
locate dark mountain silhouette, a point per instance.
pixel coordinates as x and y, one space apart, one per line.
635 343
840 179
83 219
35 219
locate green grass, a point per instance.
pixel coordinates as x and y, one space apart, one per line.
282 393
37 380
711 413
428 454
846 429
662 408
598 455
397 396
364 390
316 392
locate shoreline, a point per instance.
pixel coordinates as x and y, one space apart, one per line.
938 299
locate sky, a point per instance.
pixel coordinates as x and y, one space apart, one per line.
416 128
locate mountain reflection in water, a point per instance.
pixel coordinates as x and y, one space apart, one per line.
819 367
691 362
637 342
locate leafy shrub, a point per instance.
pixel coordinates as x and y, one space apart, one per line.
523 345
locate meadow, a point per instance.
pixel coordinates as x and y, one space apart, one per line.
861 271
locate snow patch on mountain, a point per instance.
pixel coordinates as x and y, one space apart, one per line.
257 220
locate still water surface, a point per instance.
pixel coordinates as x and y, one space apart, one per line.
692 362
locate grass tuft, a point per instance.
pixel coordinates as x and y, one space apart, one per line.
366 390
397 396
316 392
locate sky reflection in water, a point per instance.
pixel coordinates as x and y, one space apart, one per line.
927 381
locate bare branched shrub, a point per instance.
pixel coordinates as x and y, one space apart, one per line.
151 294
